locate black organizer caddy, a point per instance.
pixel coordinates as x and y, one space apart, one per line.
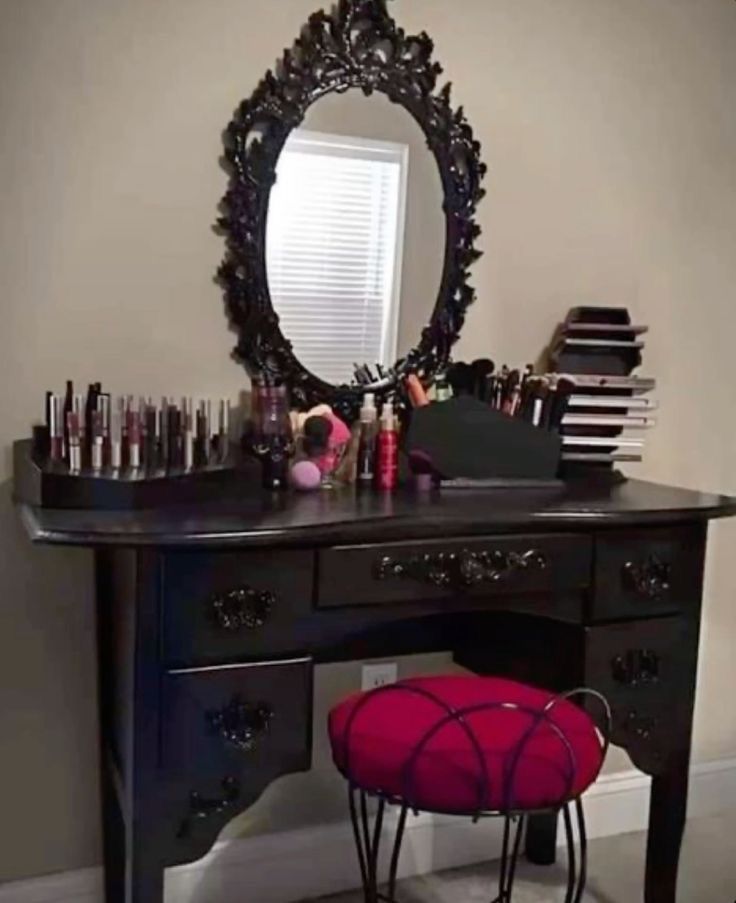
465 440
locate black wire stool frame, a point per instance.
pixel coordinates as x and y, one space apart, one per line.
368 841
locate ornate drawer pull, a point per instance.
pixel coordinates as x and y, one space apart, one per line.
640 726
201 808
243 608
650 578
240 724
461 569
637 667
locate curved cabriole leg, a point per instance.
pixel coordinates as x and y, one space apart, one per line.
667 814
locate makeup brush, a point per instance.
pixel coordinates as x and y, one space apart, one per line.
483 368
461 379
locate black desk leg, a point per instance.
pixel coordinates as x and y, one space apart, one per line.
541 839
132 873
668 811
113 840
145 884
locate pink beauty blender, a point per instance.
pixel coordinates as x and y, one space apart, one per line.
306 476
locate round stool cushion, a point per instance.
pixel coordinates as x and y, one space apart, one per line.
374 749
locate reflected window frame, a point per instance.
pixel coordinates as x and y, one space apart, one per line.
354 147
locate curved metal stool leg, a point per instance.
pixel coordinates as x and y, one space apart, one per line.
368 845
509 857
393 871
583 874
576 877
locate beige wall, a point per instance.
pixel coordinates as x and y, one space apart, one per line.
610 131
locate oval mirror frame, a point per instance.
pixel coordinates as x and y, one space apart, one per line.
357 45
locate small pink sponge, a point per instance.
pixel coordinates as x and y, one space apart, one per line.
306 476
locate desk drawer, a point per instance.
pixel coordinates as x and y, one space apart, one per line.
401 572
222 722
643 669
653 572
227 733
229 606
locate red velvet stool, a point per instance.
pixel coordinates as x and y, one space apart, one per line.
473 746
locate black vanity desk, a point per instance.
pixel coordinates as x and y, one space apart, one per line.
210 622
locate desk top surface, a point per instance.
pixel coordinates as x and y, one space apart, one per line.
343 516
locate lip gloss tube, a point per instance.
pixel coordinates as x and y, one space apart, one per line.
116 437
201 451
56 428
176 451
134 438
75 448
164 432
103 406
188 409
97 441
223 436
208 429
151 432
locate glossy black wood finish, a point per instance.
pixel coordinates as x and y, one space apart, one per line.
647 573
340 517
227 734
204 702
205 624
401 572
356 46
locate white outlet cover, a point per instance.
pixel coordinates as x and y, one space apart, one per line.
378 675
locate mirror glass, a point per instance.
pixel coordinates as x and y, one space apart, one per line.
355 235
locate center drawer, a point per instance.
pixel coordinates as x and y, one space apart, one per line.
401 572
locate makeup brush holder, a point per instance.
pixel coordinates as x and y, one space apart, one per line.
47 484
464 439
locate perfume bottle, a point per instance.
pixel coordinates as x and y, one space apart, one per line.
271 439
387 451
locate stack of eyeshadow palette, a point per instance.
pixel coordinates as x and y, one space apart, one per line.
608 410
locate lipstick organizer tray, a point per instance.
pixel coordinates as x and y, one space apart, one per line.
48 485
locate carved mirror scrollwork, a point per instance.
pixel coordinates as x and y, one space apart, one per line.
356 46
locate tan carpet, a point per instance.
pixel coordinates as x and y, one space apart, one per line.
707 873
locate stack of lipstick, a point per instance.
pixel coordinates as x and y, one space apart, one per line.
99 432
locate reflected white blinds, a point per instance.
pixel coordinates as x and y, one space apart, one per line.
334 239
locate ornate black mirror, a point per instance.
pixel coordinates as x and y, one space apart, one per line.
350 224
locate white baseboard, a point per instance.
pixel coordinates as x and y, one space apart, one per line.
312 862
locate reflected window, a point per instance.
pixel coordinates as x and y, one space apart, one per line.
335 237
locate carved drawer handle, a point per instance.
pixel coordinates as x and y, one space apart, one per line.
201 808
641 726
635 668
242 608
650 578
459 569
241 724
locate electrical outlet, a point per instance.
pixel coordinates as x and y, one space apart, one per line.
378 675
